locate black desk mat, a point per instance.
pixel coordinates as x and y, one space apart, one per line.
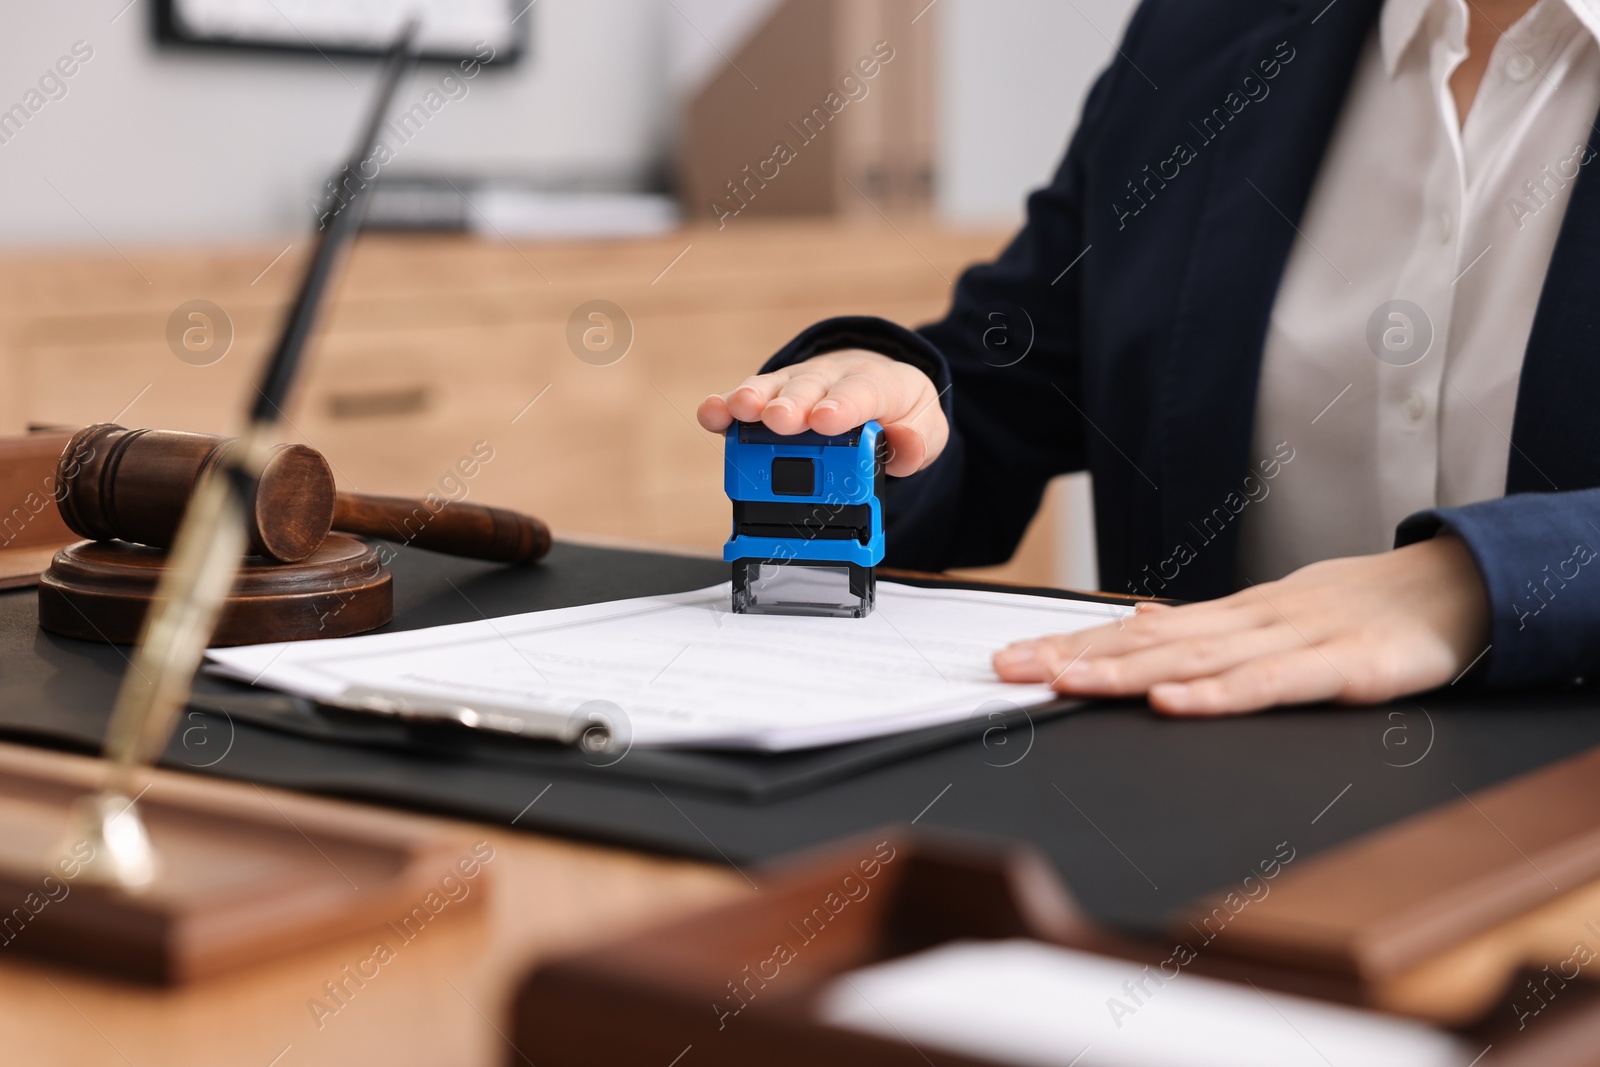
1140 814
463 591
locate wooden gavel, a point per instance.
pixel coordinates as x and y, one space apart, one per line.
114 483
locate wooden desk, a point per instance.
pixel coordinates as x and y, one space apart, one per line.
435 343
1188 806
441 1001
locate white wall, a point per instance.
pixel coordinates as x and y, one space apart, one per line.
181 145
1013 74
700 32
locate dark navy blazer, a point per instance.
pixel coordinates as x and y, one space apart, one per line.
1139 291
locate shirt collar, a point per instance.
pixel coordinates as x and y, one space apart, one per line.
1588 13
1402 20
1398 26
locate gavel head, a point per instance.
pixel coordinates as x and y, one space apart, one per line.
133 485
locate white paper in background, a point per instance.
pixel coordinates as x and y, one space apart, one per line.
1037 1005
684 670
511 212
447 25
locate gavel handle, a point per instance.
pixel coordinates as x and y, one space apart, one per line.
458 529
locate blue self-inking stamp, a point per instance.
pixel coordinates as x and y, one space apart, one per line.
807 520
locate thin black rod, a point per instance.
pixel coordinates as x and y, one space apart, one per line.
342 218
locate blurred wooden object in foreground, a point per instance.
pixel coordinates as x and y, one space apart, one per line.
425 997
237 884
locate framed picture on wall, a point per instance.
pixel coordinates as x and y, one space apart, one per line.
483 30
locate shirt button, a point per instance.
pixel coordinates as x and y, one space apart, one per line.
1416 407
1519 67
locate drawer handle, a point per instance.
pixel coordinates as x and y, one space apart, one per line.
404 401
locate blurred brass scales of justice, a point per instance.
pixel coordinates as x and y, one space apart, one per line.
125 490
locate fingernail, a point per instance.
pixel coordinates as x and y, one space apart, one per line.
1016 656
826 405
1173 691
781 401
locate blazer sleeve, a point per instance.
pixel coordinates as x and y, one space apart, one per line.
1536 553
1005 360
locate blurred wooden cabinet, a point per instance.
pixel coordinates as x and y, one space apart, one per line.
435 344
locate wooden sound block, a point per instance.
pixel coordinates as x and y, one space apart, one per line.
100 590
242 879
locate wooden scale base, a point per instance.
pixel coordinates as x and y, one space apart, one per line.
245 876
100 591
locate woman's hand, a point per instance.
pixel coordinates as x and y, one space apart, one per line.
1357 631
837 392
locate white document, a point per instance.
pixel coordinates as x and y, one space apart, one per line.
1037 1005
684 670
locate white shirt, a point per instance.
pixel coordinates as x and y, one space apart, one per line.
1458 220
